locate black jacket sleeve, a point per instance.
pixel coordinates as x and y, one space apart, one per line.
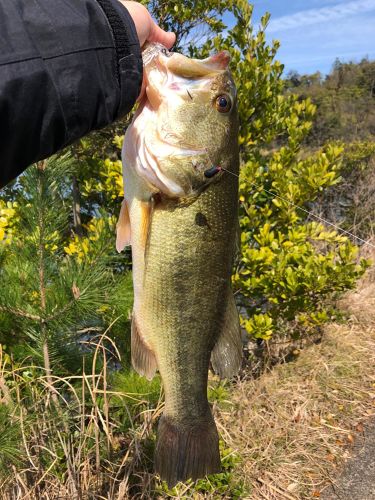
66 67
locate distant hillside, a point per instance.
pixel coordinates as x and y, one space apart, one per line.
345 100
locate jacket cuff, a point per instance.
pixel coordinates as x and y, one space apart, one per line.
129 57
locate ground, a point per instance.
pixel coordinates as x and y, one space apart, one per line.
298 426
357 481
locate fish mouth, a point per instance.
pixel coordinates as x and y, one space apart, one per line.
170 78
170 74
185 66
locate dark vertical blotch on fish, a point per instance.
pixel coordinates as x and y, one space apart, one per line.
201 220
186 451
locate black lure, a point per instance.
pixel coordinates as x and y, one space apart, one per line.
211 172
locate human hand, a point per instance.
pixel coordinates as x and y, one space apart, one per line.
147 30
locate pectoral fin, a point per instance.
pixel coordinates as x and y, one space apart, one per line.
123 228
143 359
147 208
226 356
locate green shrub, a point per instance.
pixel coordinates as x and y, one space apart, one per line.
289 263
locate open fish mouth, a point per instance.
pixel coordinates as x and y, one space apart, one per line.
172 75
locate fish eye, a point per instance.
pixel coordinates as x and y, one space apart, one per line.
223 103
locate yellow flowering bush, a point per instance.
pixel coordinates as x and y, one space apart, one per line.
83 248
8 218
289 264
109 181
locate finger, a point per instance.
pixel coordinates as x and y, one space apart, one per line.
158 35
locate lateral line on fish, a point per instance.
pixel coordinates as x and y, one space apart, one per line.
321 219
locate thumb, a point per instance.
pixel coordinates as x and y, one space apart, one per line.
158 35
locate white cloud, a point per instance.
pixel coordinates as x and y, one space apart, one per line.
307 50
321 15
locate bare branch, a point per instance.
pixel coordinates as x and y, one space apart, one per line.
20 313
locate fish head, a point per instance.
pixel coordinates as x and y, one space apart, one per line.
192 120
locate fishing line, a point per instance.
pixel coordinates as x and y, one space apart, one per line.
339 229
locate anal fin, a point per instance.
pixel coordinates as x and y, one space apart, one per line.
143 359
226 356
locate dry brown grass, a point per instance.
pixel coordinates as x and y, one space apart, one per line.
295 425
71 445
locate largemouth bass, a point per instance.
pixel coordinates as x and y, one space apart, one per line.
180 215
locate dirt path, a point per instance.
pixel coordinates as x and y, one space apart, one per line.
357 481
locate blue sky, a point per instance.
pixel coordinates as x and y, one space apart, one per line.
314 32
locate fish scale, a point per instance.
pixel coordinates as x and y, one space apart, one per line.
186 284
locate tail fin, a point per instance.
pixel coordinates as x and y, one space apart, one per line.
186 452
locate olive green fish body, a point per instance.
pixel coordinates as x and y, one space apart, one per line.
183 245
185 291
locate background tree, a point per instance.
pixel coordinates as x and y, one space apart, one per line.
345 101
51 291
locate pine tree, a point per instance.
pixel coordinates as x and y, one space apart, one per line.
62 299
56 283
